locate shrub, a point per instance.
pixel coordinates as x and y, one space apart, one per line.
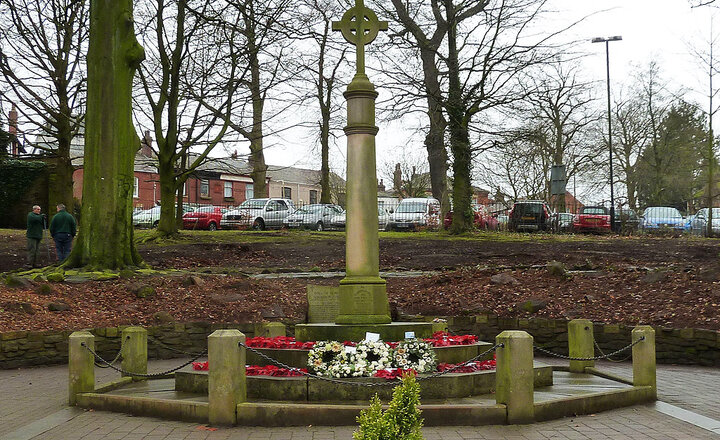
401 421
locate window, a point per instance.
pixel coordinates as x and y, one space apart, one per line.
249 191
136 188
228 190
287 192
313 196
204 188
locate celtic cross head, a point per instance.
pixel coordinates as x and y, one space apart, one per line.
359 26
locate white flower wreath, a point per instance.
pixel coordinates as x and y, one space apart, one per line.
414 354
326 358
371 356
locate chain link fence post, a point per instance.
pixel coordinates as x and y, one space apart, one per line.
580 344
134 350
226 378
81 364
643 358
514 373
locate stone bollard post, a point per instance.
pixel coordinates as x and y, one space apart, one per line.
270 329
226 378
643 358
440 326
81 364
134 350
580 344
514 376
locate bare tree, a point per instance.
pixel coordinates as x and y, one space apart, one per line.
424 29
191 59
319 64
42 52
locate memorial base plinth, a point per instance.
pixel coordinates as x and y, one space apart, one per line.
394 331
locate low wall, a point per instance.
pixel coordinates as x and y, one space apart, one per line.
673 346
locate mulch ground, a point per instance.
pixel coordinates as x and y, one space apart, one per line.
618 282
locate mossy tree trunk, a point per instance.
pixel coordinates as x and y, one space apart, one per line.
106 233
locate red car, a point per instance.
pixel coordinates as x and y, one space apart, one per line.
480 219
207 217
592 219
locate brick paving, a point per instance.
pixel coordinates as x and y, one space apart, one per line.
30 395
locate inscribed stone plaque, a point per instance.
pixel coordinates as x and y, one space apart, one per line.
362 302
323 303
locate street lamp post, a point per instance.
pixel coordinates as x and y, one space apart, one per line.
607 41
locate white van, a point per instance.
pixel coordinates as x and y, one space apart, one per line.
413 213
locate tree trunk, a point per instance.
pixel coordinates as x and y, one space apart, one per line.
462 220
166 172
106 234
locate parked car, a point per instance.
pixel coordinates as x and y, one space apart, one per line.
562 222
205 217
338 221
258 214
529 215
700 222
592 219
478 218
658 218
317 216
414 212
626 220
150 218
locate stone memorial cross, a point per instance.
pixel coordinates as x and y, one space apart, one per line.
362 293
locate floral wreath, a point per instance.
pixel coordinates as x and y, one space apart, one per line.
370 356
329 358
414 354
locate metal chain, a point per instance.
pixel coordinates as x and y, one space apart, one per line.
608 358
364 384
111 362
176 350
594 358
148 375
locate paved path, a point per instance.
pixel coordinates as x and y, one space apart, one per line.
32 405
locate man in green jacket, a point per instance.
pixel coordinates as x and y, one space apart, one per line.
35 226
62 229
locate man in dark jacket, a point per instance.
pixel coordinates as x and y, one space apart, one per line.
35 226
62 229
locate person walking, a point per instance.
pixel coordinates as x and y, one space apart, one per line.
62 229
34 234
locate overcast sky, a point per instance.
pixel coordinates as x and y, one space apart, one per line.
658 30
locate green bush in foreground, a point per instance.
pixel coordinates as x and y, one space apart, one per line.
401 421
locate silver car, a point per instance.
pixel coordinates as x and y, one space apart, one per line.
316 216
338 221
258 214
698 225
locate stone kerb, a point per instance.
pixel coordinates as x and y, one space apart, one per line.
226 378
643 357
81 365
514 376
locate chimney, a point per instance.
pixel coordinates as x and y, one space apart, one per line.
15 147
397 178
234 155
381 186
146 144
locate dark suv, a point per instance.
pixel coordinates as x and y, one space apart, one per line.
529 215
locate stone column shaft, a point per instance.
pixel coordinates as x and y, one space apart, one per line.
81 365
363 296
